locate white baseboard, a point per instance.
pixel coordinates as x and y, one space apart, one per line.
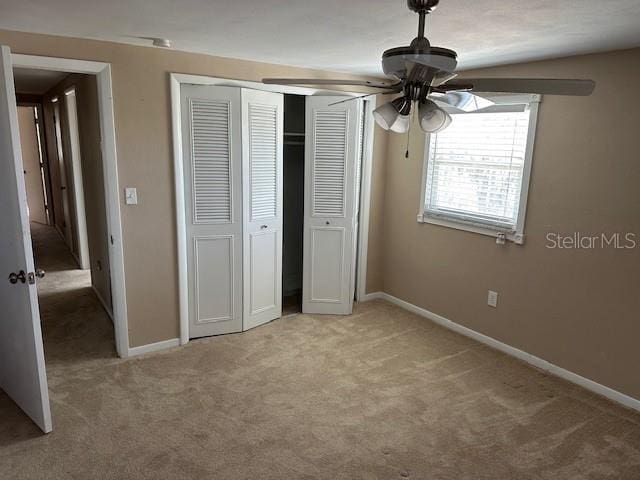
537 362
372 296
103 302
153 347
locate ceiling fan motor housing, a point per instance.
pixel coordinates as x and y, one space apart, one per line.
426 6
424 61
435 60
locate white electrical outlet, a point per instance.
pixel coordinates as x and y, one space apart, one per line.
492 299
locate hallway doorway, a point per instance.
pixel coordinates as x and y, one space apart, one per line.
71 252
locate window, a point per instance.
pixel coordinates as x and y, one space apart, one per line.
477 171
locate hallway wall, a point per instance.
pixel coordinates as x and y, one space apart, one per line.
31 165
92 172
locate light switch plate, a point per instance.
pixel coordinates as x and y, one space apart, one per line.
492 299
131 196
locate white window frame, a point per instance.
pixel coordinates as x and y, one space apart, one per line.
532 102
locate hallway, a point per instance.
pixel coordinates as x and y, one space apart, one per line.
75 327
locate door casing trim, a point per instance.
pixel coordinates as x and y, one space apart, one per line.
102 71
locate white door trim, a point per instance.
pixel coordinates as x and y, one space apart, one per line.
102 71
177 79
77 187
365 199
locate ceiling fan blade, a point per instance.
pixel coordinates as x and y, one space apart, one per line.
544 86
324 81
465 101
350 99
443 77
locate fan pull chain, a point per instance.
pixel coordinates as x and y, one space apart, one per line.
406 153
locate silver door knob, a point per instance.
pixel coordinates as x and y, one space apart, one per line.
40 273
17 277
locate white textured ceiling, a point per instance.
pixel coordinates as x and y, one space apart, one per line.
342 35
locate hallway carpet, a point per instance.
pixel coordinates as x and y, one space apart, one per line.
75 327
380 394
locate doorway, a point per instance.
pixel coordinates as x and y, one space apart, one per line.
66 112
293 203
34 164
60 140
331 138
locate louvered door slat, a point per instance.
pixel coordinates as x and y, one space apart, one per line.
330 142
263 143
211 166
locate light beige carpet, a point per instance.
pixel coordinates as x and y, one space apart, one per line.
381 394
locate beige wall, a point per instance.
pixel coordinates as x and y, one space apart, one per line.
31 164
93 183
579 309
375 252
143 139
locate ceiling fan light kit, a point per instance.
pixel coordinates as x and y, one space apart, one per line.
425 76
394 115
432 118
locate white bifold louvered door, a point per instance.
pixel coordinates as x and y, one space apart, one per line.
212 153
331 156
262 137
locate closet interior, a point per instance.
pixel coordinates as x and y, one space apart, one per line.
293 203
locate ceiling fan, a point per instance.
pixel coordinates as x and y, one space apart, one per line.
425 76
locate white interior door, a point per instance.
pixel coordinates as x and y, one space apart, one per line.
262 137
22 370
212 153
331 153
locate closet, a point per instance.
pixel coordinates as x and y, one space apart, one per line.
293 210
270 200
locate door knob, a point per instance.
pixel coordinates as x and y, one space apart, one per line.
262 227
18 277
40 273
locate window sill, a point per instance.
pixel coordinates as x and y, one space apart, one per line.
515 237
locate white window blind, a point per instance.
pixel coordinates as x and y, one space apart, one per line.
475 168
